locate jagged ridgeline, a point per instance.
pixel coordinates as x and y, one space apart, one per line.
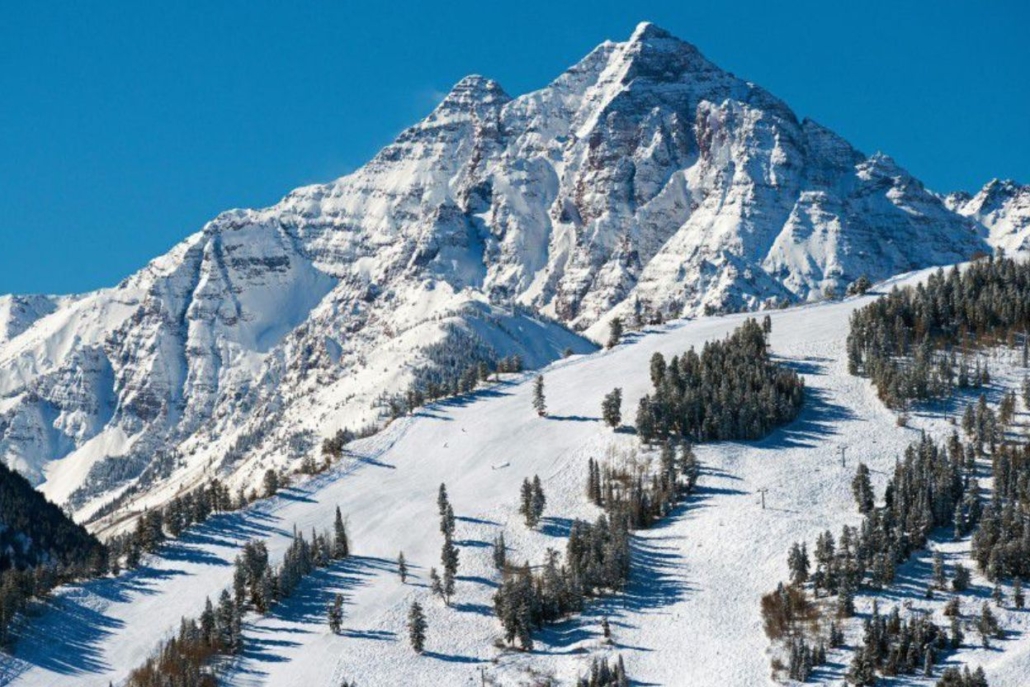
919 343
732 390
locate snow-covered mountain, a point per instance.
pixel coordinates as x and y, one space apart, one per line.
1003 207
644 180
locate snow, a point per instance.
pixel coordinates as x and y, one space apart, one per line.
644 176
689 616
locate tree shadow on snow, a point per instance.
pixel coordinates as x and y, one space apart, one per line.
552 526
572 418
819 418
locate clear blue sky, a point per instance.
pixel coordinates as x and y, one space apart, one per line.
125 125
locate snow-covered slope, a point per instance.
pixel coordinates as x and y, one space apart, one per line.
689 617
642 181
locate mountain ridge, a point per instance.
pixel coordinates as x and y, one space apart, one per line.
643 182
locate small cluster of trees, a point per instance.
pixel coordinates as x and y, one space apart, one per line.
732 390
532 501
596 561
154 526
185 659
953 677
915 343
605 674
892 646
257 584
597 556
444 587
629 491
1001 545
457 365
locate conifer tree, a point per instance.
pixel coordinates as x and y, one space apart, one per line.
500 552
341 545
335 614
538 502
402 568
615 332
417 627
271 482
539 403
435 584
611 408
862 488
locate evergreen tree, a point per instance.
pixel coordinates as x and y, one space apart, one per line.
862 488
1018 598
500 552
611 408
271 482
960 582
335 614
539 403
862 671
798 563
341 544
417 627
939 578
615 332
402 568
537 502
435 583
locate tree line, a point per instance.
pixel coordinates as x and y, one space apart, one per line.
40 548
919 342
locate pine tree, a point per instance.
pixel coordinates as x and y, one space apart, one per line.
341 544
435 584
537 501
862 671
539 403
960 582
987 625
417 627
402 568
798 564
1018 598
862 488
939 578
271 482
442 501
526 503
611 408
615 332
335 614
500 552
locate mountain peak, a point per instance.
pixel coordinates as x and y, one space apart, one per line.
475 88
646 31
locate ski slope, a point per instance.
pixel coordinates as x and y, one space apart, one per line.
689 617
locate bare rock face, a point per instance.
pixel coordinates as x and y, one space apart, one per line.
644 181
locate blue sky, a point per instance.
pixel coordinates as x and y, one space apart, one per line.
124 126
